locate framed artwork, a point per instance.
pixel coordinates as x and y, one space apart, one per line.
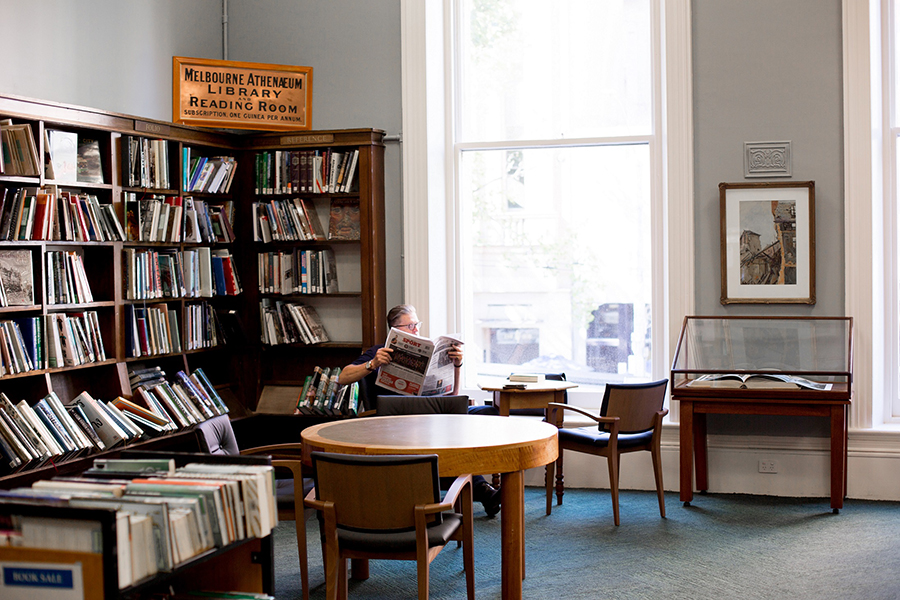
768 242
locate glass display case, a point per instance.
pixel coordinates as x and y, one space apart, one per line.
764 353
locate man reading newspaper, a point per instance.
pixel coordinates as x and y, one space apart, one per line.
415 366
419 366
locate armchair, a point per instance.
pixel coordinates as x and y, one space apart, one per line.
388 507
630 420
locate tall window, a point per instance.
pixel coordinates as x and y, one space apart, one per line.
556 146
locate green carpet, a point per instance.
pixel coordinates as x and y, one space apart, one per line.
721 547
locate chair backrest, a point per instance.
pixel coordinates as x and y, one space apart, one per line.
376 493
216 436
421 405
635 404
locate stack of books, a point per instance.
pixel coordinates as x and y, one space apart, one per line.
323 395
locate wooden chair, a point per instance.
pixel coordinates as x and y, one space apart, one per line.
421 405
288 458
388 507
630 420
217 436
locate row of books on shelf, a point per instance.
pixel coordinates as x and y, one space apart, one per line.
175 219
193 273
165 516
290 323
306 171
154 329
19 149
294 220
323 394
51 431
66 280
298 271
181 403
297 220
48 213
146 162
207 175
50 341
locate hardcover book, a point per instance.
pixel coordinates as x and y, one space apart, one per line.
63 149
90 166
344 220
16 275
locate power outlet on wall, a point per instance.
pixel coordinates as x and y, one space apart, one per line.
768 466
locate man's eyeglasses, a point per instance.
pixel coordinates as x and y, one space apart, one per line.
414 326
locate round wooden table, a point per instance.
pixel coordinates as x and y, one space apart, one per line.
464 444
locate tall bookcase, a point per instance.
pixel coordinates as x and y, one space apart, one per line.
354 317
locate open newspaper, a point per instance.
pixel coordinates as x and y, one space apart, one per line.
419 366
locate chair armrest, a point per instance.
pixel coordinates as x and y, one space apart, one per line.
295 467
450 497
311 502
581 411
292 448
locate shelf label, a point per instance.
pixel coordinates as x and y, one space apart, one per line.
26 581
241 95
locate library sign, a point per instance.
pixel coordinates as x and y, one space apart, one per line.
241 95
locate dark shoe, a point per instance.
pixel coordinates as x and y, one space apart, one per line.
489 496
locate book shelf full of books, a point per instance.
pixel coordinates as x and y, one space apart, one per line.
131 247
317 231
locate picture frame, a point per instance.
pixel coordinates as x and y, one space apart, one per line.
768 243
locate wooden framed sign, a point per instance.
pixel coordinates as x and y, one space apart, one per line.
241 95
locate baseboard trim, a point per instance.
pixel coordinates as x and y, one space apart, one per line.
803 466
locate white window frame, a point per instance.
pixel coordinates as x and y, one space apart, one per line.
430 216
869 268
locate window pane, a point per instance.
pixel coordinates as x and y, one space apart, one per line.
557 256
549 70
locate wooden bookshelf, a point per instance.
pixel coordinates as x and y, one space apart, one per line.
354 317
240 368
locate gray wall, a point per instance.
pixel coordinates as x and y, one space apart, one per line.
114 55
768 70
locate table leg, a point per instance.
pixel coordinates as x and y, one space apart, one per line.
701 465
559 397
838 456
686 450
512 545
359 569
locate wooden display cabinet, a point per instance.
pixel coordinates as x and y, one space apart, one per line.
792 366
